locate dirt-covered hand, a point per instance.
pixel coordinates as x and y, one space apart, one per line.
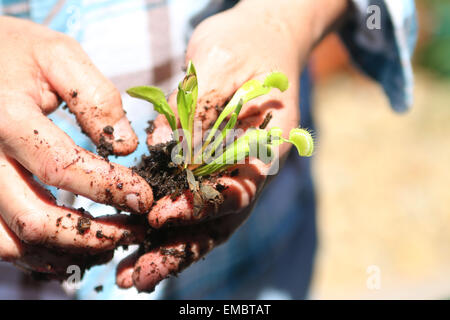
226 53
246 42
38 69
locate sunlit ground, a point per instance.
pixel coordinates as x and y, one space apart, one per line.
384 190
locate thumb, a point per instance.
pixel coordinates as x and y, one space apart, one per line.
93 99
159 131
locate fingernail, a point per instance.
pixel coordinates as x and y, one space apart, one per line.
125 279
122 130
133 201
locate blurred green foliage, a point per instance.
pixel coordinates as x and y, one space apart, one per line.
435 53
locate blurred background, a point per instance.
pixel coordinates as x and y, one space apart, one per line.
383 178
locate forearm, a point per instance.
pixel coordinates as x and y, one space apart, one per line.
304 22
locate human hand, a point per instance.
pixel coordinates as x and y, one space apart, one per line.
247 42
38 68
227 50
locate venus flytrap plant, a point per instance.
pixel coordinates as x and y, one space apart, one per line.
218 141
253 143
258 143
186 103
155 96
248 91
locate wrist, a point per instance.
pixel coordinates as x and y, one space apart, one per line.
304 22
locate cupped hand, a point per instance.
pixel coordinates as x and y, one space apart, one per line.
38 69
227 50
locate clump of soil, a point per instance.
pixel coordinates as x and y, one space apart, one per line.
167 178
104 148
164 176
99 288
108 130
151 127
84 224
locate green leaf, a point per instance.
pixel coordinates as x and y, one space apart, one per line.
249 90
249 143
186 104
303 141
220 139
252 142
277 80
191 69
155 96
276 137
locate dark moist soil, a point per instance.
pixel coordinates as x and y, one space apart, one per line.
83 224
164 176
104 148
151 127
99 288
108 130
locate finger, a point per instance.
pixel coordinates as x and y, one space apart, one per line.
125 269
58 265
174 249
239 186
93 99
157 265
55 159
160 132
10 247
34 217
42 260
49 100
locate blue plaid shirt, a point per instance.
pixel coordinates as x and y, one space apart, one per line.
272 254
